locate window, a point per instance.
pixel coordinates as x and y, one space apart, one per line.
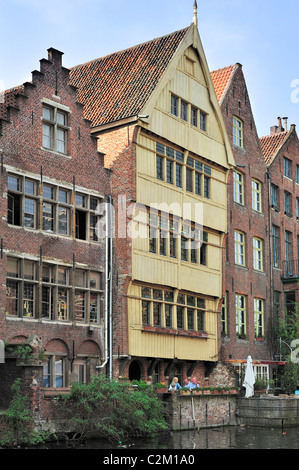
158 309
21 288
240 316
56 208
275 243
223 319
287 165
55 129
180 108
257 254
275 197
62 297
169 168
288 252
79 371
297 174
239 248
174 105
259 318
297 208
287 204
203 121
290 310
194 118
170 159
54 372
184 110
238 179
237 132
22 202
198 177
256 195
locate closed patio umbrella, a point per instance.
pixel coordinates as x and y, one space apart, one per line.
249 379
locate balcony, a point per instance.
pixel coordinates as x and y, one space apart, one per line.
290 270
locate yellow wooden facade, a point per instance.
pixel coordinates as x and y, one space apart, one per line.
188 79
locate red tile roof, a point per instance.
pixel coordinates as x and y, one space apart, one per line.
118 86
221 79
270 144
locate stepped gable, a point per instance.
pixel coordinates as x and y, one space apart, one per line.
117 86
221 79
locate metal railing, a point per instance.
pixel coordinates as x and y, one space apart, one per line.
290 269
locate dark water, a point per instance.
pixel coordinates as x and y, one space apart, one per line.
236 437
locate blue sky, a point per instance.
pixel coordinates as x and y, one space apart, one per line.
261 34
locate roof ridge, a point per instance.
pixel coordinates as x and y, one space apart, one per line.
129 48
223 68
275 135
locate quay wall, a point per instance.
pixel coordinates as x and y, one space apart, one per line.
269 411
203 411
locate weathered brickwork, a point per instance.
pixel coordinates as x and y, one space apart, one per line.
244 280
78 169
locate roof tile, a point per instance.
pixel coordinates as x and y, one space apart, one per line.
118 86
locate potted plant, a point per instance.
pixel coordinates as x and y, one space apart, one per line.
161 387
185 391
196 391
207 390
234 390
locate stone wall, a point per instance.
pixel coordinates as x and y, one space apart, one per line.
273 412
193 412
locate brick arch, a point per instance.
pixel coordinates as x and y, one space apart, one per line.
56 346
20 339
89 348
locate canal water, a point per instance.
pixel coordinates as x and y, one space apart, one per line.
235 437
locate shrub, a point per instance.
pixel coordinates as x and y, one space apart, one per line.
114 410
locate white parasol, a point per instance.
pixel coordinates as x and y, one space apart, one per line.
249 379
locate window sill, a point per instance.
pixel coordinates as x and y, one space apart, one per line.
171 331
57 154
54 392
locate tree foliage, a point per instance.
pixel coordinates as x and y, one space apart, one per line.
114 410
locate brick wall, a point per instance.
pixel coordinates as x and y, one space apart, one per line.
238 279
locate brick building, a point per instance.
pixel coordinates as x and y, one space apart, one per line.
246 322
52 262
156 116
281 152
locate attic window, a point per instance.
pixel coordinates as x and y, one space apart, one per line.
189 66
55 129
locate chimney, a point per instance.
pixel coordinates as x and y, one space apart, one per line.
285 120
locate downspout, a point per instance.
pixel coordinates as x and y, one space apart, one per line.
106 357
110 285
271 261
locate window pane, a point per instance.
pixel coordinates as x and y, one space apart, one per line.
94 308
145 312
13 183
61 141
48 192
48 217
29 187
47 136
29 210
12 293
12 267
63 220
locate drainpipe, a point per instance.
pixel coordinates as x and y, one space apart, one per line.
107 288
110 238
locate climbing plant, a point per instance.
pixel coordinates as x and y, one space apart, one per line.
20 421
